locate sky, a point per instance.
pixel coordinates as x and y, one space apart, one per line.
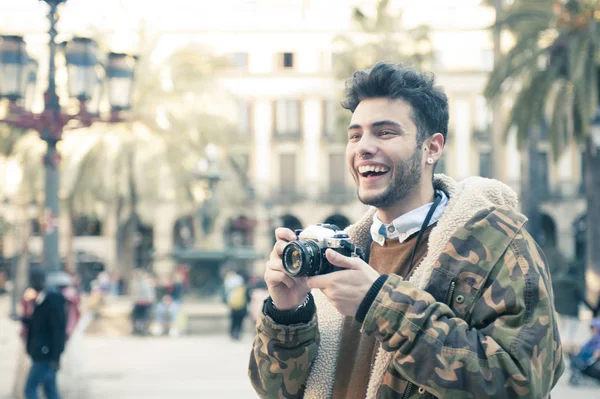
120 19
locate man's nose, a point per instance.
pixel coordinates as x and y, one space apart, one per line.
367 146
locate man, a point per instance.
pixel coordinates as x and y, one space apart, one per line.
46 336
453 299
236 296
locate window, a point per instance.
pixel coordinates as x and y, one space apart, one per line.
287 173
287 117
286 60
244 122
238 61
337 173
87 226
484 164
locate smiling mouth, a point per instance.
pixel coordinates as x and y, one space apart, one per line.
372 171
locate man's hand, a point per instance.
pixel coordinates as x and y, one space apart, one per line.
287 293
345 288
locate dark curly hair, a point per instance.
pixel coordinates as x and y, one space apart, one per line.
398 81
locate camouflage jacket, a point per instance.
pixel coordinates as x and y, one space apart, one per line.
476 319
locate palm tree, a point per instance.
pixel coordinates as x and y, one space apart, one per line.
552 71
379 38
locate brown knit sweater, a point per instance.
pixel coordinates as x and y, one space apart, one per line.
357 351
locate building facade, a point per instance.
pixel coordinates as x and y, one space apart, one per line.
281 79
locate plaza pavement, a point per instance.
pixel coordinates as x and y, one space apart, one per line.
198 366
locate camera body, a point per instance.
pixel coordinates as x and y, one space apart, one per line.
306 256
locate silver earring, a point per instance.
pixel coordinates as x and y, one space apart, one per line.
429 161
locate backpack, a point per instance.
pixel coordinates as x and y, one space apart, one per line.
237 298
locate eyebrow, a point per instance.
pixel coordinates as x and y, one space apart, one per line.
378 124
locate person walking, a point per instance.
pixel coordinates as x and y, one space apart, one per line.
46 334
236 295
143 295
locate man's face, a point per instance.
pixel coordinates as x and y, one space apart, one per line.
382 151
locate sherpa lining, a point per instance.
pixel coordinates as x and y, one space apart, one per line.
467 198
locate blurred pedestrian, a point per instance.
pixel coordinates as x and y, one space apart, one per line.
143 296
115 283
167 310
46 334
587 361
236 296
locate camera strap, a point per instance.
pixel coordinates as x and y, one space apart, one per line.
436 202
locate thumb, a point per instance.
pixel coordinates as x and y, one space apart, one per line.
337 259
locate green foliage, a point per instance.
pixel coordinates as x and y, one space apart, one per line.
552 69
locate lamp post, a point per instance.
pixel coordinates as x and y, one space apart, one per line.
85 73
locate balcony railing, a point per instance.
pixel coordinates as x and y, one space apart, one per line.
564 190
287 135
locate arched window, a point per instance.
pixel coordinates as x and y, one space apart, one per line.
184 233
548 231
144 251
291 222
340 221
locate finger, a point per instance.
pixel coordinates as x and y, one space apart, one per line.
321 282
275 264
337 259
278 249
284 234
275 277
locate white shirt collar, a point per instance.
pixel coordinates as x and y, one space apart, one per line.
408 224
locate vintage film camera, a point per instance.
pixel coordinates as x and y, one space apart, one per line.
306 256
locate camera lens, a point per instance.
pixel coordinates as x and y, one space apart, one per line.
298 258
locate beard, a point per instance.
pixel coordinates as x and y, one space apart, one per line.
406 176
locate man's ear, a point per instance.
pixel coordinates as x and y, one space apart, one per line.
435 147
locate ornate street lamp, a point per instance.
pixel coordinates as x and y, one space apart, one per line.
13 67
119 74
17 85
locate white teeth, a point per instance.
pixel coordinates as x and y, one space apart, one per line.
372 168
